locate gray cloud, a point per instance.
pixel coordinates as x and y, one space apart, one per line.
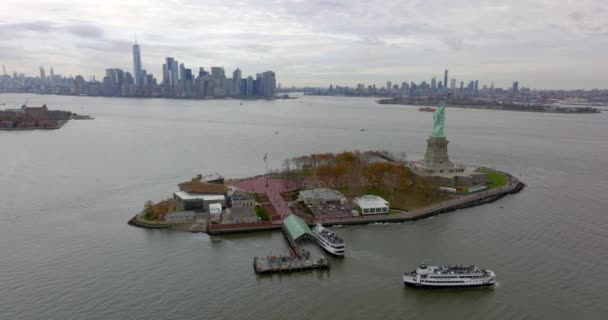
576 16
454 43
35 26
342 42
85 30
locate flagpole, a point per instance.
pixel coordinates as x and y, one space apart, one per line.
266 162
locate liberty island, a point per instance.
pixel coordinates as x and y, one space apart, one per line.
321 188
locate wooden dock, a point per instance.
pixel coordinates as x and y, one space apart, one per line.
275 264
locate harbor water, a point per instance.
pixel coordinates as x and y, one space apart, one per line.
66 195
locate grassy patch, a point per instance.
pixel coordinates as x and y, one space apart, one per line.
407 199
261 213
495 179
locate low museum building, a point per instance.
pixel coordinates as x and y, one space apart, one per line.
198 195
188 201
370 204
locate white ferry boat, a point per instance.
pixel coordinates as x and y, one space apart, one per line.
329 240
449 276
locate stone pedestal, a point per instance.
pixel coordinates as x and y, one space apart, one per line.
437 153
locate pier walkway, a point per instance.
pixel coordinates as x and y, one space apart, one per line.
305 254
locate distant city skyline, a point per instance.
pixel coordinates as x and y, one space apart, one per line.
318 43
178 81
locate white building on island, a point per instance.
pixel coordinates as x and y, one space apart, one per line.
215 211
370 204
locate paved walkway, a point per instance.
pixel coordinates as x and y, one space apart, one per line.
273 191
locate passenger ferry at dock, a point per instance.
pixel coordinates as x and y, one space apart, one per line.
328 240
449 276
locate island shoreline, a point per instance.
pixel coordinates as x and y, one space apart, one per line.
472 200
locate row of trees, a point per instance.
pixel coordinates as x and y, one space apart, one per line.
350 171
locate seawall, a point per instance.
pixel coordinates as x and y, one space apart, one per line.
514 186
136 223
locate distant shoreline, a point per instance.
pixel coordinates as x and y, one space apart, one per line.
280 97
470 104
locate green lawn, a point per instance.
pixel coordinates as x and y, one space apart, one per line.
260 212
495 179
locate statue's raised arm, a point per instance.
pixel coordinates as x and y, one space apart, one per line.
439 118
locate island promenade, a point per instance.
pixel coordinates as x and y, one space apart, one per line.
276 186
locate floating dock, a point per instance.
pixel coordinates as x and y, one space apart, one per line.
305 255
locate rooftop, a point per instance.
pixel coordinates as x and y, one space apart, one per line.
370 201
206 197
196 186
296 227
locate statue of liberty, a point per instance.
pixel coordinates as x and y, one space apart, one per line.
439 118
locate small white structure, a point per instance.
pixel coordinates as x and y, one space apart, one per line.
370 204
215 211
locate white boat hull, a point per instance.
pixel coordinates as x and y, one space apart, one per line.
410 280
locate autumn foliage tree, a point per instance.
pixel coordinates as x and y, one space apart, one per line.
349 170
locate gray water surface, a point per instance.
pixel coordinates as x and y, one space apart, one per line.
66 251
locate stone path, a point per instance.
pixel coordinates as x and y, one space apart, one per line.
273 191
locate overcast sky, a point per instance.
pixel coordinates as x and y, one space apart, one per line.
541 43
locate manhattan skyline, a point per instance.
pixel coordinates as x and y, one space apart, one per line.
318 43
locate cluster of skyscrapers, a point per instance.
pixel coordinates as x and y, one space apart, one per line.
432 88
180 81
